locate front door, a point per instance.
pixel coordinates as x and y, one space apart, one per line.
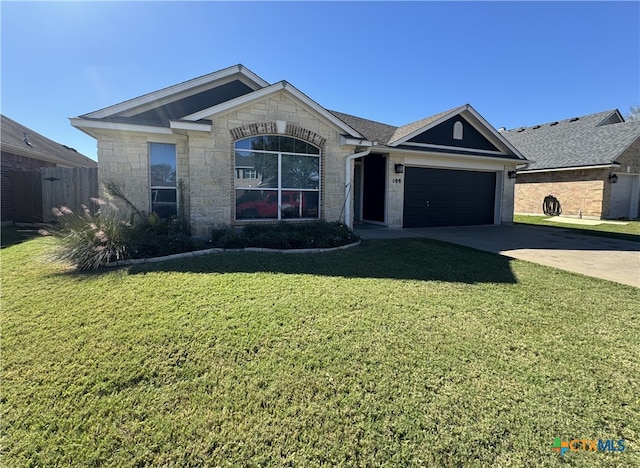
373 187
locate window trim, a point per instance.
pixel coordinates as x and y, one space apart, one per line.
163 187
279 189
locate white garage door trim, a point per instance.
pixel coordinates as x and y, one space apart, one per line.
623 201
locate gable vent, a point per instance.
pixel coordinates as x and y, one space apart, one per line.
574 119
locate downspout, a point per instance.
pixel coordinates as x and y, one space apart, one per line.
347 186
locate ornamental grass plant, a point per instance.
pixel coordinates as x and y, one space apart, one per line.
91 239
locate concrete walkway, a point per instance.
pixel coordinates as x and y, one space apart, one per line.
600 257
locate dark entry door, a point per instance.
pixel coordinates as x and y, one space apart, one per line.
373 187
445 197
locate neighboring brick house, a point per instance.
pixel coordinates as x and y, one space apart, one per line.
248 151
591 164
23 150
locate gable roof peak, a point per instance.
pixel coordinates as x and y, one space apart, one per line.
406 132
182 89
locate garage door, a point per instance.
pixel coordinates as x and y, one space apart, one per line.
444 197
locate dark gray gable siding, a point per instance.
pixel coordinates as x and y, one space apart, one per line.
197 102
442 134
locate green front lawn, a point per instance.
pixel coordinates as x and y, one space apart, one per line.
629 231
394 353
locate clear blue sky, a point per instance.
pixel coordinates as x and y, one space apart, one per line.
517 63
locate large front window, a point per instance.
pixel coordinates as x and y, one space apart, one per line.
277 177
162 168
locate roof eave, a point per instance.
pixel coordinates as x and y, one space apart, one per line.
33 154
495 133
570 168
193 126
461 155
346 140
87 125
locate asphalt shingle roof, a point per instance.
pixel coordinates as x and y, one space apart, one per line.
574 142
370 129
40 147
384 133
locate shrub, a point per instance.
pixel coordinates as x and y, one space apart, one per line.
228 237
283 235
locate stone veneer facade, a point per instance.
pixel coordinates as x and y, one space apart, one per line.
205 160
205 163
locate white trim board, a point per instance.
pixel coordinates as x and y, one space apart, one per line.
574 168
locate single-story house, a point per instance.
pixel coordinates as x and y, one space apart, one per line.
590 164
26 151
248 151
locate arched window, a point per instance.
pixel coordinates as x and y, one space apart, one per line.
457 130
276 177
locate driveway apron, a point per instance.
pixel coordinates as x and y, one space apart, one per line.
600 257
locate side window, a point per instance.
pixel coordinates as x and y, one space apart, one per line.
163 178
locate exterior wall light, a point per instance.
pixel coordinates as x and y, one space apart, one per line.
399 168
511 174
613 178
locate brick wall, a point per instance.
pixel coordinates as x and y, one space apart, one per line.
630 159
14 162
580 191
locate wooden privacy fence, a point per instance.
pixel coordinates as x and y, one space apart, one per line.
35 194
64 186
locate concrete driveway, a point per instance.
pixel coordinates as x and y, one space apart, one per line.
600 257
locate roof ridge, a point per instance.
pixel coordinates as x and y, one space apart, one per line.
568 119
